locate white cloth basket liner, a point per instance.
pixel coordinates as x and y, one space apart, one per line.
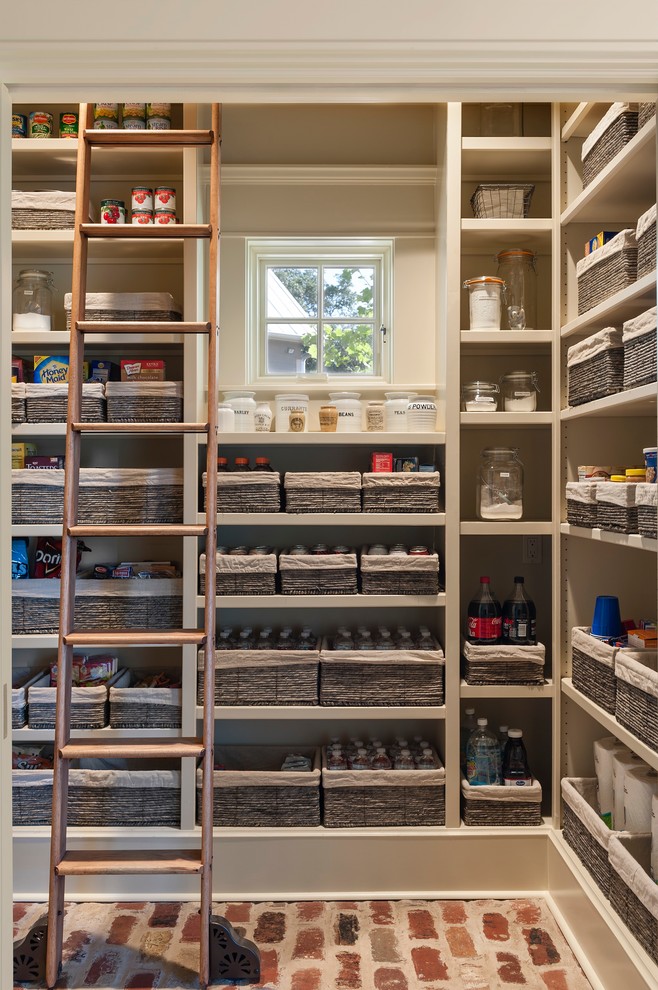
255 479
127 300
645 221
259 766
646 494
640 325
581 491
18 390
397 563
146 390
94 588
50 199
615 493
322 479
616 110
498 792
133 779
60 390
95 694
19 692
624 239
505 653
375 479
120 690
581 794
581 640
312 562
383 778
393 657
239 659
600 342
639 668
635 872
103 477
225 564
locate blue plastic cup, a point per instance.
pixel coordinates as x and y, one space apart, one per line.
606 623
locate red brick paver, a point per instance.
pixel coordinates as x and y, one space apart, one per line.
428 963
421 925
306 979
349 974
309 944
460 942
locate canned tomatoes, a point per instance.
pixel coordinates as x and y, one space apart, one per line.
68 125
165 198
142 198
18 125
142 216
165 216
113 211
41 124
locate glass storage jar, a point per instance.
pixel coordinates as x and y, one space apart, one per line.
480 397
517 269
501 119
484 301
519 390
32 302
243 405
499 492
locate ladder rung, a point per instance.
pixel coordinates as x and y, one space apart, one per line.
131 749
148 139
141 326
131 232
159 637
78 862
139 529
139 427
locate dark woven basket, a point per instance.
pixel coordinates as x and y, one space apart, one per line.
129 315
53 409
647 521
377 685
18 410
581 514
502 673
491 812
611 142
27 219
408 493
637 917
241 584
84 715
400 583
323 579
593 679
616 518
588 850
636 710
613 273
645 112
157 708
646 251
236 494
640 360
390 807
319 492
269 683
597 377
144 408
18 716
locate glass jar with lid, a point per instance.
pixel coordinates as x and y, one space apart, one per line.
480 397
516 267
519 390
499 492
32 303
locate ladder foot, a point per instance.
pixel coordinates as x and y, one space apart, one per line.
30 954
231 956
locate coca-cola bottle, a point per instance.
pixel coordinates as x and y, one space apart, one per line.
519 617
484 616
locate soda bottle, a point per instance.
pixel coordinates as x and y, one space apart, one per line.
483 757
519 617
484 616
516 772
468 726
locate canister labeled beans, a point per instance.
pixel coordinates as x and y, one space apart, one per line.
113 211
164 198
142 198
106 111
18 125
165 216
142 216
40 124
68 125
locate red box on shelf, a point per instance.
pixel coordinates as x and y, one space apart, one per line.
381 462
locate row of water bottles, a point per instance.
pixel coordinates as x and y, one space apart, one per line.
372 754
383 638
267 638
490 758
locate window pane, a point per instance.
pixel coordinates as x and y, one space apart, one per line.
292 348
348 348
348 292
292 292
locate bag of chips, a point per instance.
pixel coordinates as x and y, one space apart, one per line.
19 562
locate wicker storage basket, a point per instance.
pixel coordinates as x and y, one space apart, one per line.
593 668
639 340
399 574
98 798
318 574
636 709
253 790
584 829
615 507
495 804
88 705
610 135
246 491
505 200
47 403
645 112
595 367
646 503
399 492
607 270
144 402
52 209
254 574
374 678
645 233
141 707
503 664
107 495
114 604
263 677
139 306
20 685
581 504
18 411
388 798
322 491
633 892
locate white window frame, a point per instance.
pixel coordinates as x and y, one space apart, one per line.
262 253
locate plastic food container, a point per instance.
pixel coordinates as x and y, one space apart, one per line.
480 397
348 405
285 404
485 295
519 390
650 463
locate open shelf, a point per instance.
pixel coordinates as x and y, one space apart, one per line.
507 341
610 724
634 402
546 690
373 440
32 338
619 539
583 120
320 713
501 157
106 734
499 420
56 158
512 528
39 529
621 306
429 519
486 236
58 244
327 601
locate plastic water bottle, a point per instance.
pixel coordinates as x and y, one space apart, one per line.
425 639
225 640
265 641
307 640
516 772
425 760
361 760
246 639
380 760
343 639
483 765
364 640
502 736
384 641
336 760
284 642
404 761
468 726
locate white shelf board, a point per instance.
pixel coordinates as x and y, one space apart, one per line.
505 419
39 430
509 341
546 690
57 157
619 539
38 529
36 641
327 439
583 120
320 713
327 601
501 157
31 338
621 306
58 245
521 528
610 723
360 519
620 192
48 735
634 402
485 236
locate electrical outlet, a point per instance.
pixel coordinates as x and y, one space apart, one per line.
532 549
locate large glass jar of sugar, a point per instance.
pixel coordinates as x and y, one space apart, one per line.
32 303
519 390
499 490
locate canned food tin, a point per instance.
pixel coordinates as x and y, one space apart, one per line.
142 198
158 124
103 124
340 549
142 216
113 211
68 125
18 125
40 124
133 111
319 549
419 552
159 110
165 216
106 111
164 198
134 124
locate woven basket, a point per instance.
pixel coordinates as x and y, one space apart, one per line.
138 306
107 495
495 804
324 491
113 604
88 704
615 507
645 234
399 492
52 209
47 403
584 829
18 411
22 681
646 502
608 138
593 668
254 574
143 708
607 270
246 491
633 892
581 504
645 112
639 340
504 200
503 664
318 574
383 798
595 367
144 402
254 791
636 707
374 678
399 574
262 677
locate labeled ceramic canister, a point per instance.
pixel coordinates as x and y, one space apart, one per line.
142 198
18 125
165 216
40 124
113 211
68 125
164 198
142 217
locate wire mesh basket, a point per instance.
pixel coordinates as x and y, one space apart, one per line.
502 200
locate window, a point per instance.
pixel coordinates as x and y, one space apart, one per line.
319 309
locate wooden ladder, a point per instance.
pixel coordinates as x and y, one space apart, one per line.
64 861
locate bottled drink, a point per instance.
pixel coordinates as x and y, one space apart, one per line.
380 760
284 641
241 464
425 639
361 760
384 641
516 772
265 641
519 617
306 639
343 640
263 464
425 759
404 760
364 640
246 639
502 737
483 757
222 464
468 726
336 760
484 616
225 640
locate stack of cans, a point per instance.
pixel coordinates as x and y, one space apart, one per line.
153 206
